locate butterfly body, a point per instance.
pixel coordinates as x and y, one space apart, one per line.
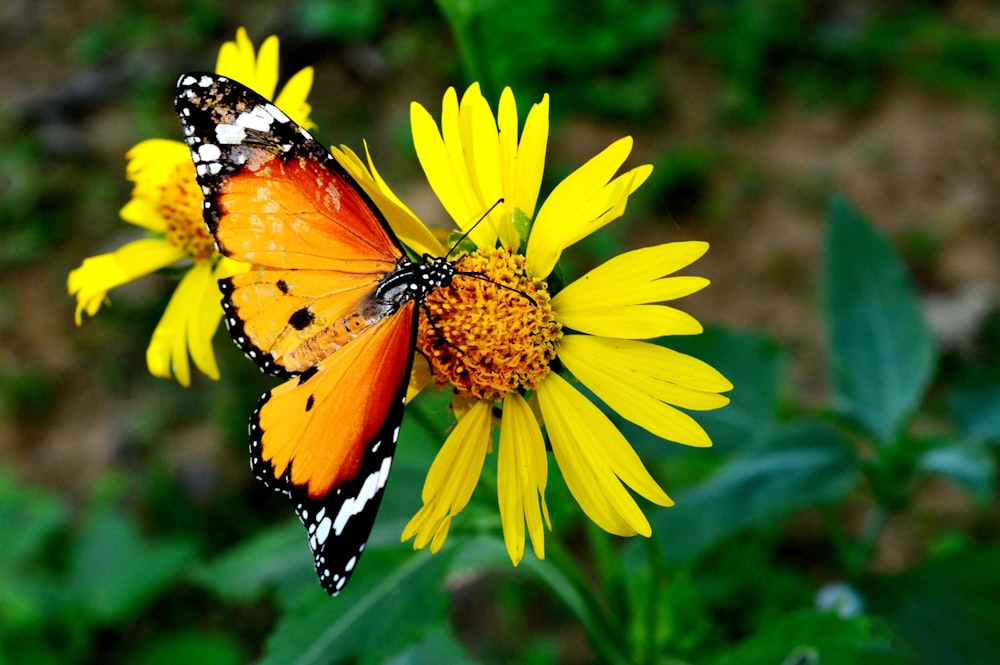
331 302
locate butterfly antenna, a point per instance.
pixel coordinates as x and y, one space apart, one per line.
473 227
482 277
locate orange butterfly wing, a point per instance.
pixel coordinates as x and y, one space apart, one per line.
330 301
338 403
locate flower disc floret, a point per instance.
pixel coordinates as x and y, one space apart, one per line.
493 331
179 204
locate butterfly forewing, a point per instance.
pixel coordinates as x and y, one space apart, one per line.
330 301
276 198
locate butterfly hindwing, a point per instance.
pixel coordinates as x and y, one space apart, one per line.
288 320
330 454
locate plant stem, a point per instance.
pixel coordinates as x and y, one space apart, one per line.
605 630
651 614
461 17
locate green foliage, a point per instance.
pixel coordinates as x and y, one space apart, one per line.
809 636
880 348
792 495
805 465
194 647
536 46
390 604
946 609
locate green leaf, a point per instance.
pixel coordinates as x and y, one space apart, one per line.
946 610
964 463
557 572
114 570
275 557
438 646
880 348
977 410
804 466
29 518
392 601
810 636
191 648
756 367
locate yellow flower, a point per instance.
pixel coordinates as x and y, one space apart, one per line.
501 341
167 202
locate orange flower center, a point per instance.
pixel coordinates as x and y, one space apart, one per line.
491 333
180 205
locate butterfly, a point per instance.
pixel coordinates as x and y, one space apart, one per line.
331 303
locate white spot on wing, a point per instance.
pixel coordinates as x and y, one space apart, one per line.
276 112
256 118
209 152
354 506
230 134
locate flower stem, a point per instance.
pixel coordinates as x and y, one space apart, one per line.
651 612
461 17
605 631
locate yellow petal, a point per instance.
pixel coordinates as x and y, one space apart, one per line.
595 460
482 150
229 58
452 478
144 213
293 97
155 166
420 377
531 157
582 203
167 353
449 181
632 322
266 72
507 154
405 224
522 470
640 381
636 277
97 275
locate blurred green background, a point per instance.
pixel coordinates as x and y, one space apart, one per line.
842 159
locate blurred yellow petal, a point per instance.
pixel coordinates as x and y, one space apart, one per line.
259 72
452 478
420 377
293 97
157 166
640 381
266 72
185 316
596 461
97 275
231 62
522 470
